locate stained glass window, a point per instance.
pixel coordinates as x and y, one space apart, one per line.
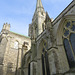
68 53
69 42
66 33
68 24
73 28
73 21
72 39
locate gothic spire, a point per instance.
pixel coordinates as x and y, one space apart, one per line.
39 4
47 19
39 9
37 20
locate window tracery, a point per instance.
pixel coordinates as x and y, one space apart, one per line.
69 42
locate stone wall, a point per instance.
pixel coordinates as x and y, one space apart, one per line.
3 45
11 52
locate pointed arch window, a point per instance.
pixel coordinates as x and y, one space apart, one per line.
45 62
69 42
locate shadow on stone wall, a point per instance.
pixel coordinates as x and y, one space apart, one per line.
20 72
1 69
10 70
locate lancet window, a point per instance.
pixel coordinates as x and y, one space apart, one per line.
45 62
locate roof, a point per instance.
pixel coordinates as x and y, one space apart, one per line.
63 12
19 34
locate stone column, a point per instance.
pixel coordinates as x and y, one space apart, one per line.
39 66
33 68
5 54
52 65
19 58
26 70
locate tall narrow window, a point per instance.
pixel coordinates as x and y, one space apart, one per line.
69 53
16 45
69 42
43 66
45 63
29 69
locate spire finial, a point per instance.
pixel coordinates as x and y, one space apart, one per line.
39 4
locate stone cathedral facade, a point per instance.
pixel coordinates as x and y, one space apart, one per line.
13 47
50 50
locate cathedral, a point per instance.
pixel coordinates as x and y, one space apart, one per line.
48 50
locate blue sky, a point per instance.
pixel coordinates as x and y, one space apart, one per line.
19 13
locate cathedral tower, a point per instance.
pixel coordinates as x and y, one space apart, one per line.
6 27
35 28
